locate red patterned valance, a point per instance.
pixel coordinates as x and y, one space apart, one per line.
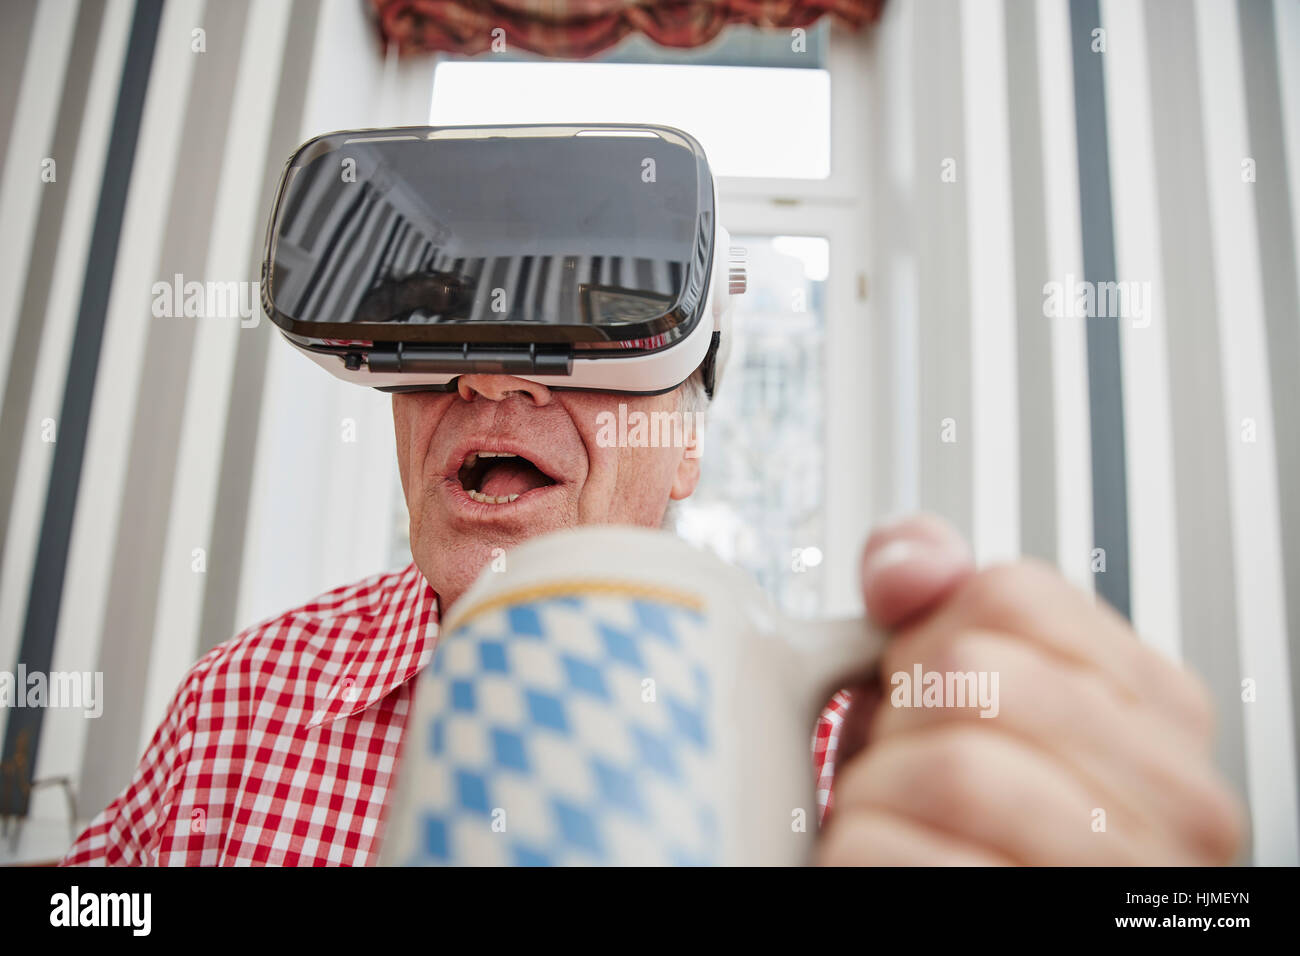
576 29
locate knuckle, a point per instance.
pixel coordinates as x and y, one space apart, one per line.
963 652
993 596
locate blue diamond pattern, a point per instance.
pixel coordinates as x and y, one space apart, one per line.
508 748
654 753
654 619
618 787
574 812
471 790
576 827
546 711
435 838
524 620
620 646
687 720
583 676
462 696
492 657
527 856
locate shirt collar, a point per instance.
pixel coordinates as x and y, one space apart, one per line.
394 639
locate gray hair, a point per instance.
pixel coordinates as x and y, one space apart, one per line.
691 397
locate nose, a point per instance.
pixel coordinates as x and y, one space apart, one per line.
497 387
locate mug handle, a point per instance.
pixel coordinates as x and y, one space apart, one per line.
833 654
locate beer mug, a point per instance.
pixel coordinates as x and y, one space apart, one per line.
616 696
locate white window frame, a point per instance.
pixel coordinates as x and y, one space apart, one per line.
835 208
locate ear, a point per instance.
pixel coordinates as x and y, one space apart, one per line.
687 475
685 478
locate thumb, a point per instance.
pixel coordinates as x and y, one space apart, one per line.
910 566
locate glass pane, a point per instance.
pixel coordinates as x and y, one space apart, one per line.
729 109
760 500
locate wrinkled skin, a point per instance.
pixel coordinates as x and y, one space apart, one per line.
451 541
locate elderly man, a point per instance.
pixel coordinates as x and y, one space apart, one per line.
261 760
530 281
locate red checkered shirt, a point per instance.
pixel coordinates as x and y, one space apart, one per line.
280 744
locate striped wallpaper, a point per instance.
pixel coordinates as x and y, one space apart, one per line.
163 479
1153 143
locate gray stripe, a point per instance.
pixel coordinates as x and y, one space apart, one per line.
1202 509
112 742
943 267
1105 377
23 733
1281 308
1037 411
16 19
45 248
234 489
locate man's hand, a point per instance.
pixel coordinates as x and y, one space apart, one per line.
1092 728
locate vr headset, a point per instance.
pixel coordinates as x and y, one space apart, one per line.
578 256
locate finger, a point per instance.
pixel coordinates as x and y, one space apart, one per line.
1147 769
909 567
872 837
1032 600
994 791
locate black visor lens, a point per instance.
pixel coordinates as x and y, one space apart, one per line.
554 233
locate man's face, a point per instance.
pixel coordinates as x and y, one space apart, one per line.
542 447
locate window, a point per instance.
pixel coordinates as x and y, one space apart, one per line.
761 499
729 109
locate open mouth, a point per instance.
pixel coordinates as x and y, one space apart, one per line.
499 477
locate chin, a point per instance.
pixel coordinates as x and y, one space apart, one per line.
454 559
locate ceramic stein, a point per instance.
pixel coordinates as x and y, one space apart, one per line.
616 696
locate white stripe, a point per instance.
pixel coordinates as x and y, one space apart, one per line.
659 268
1065 257
483 305
36 455
906 400
361 249
1148 417
30 138
63 730
555 279
99 496
848 477
32 135
320 509
198 458
1286 26
896 396
1252 466
511 286
996 451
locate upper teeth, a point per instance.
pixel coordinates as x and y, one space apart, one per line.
474 456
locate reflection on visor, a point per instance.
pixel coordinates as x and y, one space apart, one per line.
534 230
